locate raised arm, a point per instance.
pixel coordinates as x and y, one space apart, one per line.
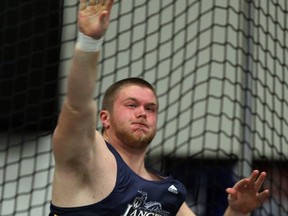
75 133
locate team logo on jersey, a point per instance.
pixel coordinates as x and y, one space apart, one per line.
173 189
143 208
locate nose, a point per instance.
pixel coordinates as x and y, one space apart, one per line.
141 112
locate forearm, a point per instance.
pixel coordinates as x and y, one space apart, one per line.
82 78
185 211
77 121
93 21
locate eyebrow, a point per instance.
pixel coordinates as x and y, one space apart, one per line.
136 100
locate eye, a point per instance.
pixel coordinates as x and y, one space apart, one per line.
131 105
150 108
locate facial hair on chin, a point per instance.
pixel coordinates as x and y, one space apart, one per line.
134 140
131 138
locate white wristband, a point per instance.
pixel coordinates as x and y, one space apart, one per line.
87 43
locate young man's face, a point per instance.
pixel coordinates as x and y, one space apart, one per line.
134 116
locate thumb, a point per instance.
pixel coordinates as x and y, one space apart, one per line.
232 195
104 19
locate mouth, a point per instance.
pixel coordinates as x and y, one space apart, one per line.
141 124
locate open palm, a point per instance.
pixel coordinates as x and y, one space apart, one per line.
94 18
245 196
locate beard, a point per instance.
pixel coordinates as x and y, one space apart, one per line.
133 138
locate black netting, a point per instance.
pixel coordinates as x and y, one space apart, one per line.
220 71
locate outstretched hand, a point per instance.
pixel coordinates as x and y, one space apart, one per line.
94 17
245 197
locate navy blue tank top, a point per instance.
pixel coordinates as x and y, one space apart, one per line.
132 195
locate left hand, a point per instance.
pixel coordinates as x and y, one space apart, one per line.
245 197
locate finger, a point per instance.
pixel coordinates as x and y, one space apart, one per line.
231 191
82 5
104 17
232 195
241 184
101 2
253 177
263 195
106 6
260 180
92 2
109 4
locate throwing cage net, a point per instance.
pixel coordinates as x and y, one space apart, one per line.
220 70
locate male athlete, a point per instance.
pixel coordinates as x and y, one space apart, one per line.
103 173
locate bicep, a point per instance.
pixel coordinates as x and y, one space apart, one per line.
74 136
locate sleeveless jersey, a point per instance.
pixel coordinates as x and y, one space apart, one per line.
132 196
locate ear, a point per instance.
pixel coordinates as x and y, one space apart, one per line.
105 118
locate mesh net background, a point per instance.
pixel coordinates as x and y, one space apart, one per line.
220 71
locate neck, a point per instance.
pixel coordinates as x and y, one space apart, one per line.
133 157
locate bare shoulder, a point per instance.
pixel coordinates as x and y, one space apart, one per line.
102 155
86 181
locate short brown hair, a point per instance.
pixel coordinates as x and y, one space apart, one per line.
111 92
